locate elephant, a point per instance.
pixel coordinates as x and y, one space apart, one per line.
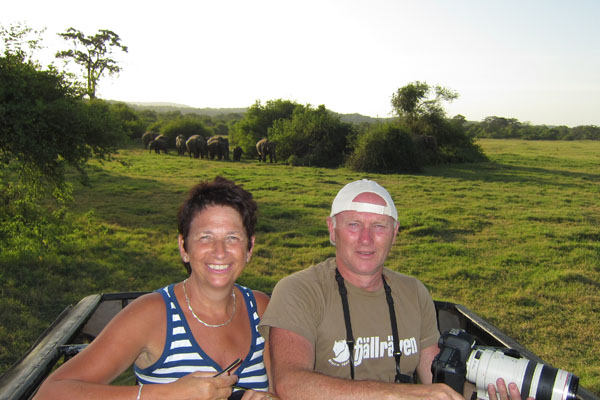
196 145
180 144
265 146
148 137
218 147
237 153
158 144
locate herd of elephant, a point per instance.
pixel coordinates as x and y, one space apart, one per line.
211 148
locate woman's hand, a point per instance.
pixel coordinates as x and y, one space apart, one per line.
200 386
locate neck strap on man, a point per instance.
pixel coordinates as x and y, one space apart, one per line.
400 378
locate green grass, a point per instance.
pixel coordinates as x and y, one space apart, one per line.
516 239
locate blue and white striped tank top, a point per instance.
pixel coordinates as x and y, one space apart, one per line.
182 355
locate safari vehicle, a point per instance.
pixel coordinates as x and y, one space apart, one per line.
81 323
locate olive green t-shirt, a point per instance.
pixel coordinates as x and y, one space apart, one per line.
308 303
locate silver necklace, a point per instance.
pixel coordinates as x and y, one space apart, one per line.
187 300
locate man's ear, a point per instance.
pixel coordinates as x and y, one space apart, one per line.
396 229
331 227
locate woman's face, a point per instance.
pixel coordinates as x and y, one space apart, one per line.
217 246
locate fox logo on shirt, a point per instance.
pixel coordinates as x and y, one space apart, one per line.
341 353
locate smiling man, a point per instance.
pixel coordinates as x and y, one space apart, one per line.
348 327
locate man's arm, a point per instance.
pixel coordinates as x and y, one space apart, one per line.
292 361
424 366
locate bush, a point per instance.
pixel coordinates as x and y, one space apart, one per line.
385 148
312 137
186 126
45 125
455 145
133 126
257 123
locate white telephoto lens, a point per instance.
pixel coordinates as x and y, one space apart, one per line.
484 367
533 379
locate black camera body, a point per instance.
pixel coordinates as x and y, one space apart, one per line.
460 360
450 365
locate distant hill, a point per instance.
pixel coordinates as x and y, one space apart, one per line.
359 119
170 107
212 112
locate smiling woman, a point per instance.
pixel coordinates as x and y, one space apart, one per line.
179 351
216 250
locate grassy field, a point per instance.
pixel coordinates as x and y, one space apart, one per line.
516 239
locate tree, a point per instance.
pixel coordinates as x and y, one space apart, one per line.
420 108
418 99
95 57
460 120
45 126
21 41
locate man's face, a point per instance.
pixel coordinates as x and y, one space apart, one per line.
363 241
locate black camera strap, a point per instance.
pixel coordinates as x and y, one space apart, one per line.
349 335
400 378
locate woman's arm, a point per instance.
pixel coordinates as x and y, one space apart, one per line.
137 333
117 347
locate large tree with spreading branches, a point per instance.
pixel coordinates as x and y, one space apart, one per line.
94 54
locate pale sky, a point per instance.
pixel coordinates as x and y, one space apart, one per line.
534 60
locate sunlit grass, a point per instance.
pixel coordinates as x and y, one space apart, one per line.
516 239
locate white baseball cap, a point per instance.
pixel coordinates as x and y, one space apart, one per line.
344 201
